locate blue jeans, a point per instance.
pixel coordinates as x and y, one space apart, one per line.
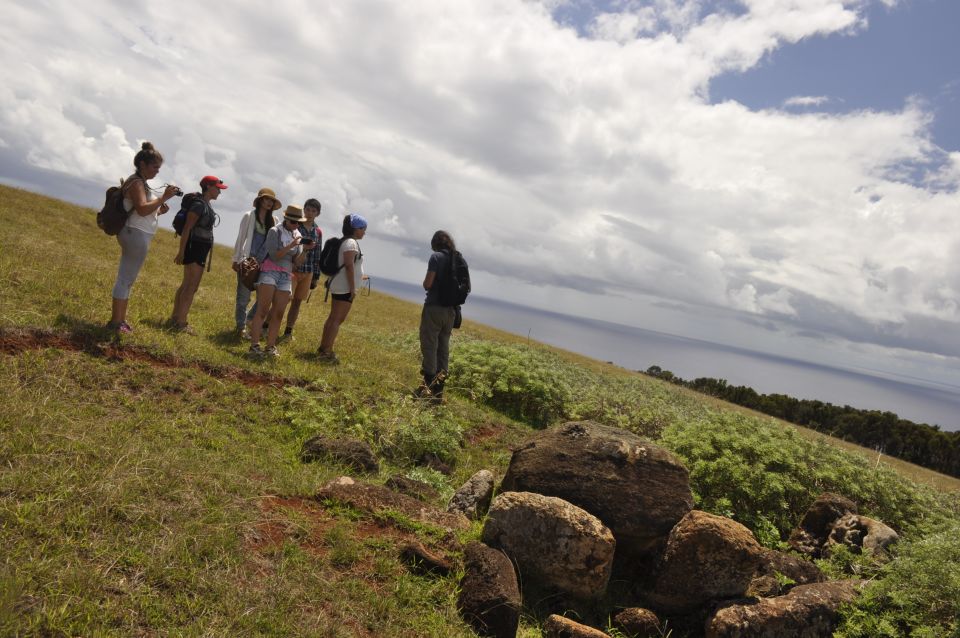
241 315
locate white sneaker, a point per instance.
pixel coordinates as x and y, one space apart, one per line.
272 352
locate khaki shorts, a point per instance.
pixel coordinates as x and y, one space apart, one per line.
301 285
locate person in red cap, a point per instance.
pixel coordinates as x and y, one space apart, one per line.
196 242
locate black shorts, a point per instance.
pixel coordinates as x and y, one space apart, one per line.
197 252
342 297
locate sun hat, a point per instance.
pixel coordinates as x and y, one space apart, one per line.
357 221
211 180
294 214
267 192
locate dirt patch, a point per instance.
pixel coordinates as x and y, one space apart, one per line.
13 342
485 432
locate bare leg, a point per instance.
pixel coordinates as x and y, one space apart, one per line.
338 314
192 273
276 316
265 294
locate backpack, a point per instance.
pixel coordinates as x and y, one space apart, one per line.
113 216
329 257
455 284
180 219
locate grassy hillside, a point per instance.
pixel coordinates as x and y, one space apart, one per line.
152 487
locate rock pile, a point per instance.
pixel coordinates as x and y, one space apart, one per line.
581 499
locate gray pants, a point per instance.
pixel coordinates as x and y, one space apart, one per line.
436 324
133 252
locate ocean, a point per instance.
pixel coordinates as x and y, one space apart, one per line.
638 349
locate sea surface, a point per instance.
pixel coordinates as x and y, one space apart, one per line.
638 349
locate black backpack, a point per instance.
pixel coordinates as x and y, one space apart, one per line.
113 217
455 283
180 219
329 256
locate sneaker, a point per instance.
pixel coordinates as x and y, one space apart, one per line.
272 352
327 357
186 329
255 352
286 336
124 327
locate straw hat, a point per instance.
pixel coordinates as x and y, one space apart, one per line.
267 192
294 214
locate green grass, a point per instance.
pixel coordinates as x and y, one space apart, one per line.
155 489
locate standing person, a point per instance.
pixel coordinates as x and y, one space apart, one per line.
250 243
196 242
306 275
436 319
275 284
137 233
343 286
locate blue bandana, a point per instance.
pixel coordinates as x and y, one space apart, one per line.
357 221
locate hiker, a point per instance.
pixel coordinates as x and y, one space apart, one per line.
141 226
251 241
284 253
436 318
343 285
307 274
196 243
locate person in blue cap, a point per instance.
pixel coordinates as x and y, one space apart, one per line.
344 285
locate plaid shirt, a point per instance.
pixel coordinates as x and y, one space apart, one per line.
312 262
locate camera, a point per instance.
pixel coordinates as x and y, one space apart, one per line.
178 193
307 242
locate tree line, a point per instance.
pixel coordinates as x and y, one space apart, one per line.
919 443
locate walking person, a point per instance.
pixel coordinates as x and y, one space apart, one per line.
437 319
251 242
196 243
306 274
135 236
284 253
343 285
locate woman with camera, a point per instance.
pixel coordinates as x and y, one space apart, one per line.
139 230
196 242
275 284
344 285
251 240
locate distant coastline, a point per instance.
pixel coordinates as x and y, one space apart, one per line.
633 348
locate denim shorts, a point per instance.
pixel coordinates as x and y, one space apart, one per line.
279 279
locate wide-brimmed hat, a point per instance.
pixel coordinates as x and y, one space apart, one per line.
267 192
294 214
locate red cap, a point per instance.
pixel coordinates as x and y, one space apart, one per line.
210 180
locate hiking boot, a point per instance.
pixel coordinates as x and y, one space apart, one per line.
272 353
255 352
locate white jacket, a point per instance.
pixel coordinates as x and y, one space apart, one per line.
241 249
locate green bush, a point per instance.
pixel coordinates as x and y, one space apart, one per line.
918 594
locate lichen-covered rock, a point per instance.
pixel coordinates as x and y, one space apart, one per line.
779 572
377 499
814 530
555 545
706 558
808 611
350 452
861 533
473 498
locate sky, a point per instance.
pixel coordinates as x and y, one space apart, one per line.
780 175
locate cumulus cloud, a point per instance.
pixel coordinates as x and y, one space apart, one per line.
583 166
806 100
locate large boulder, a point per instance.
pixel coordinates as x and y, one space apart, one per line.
350 452
473 498
808 611
378 500
814 530
706 558
861 533
489 599
556 545
636 488
556 626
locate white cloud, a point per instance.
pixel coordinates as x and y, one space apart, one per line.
583 169
806 100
